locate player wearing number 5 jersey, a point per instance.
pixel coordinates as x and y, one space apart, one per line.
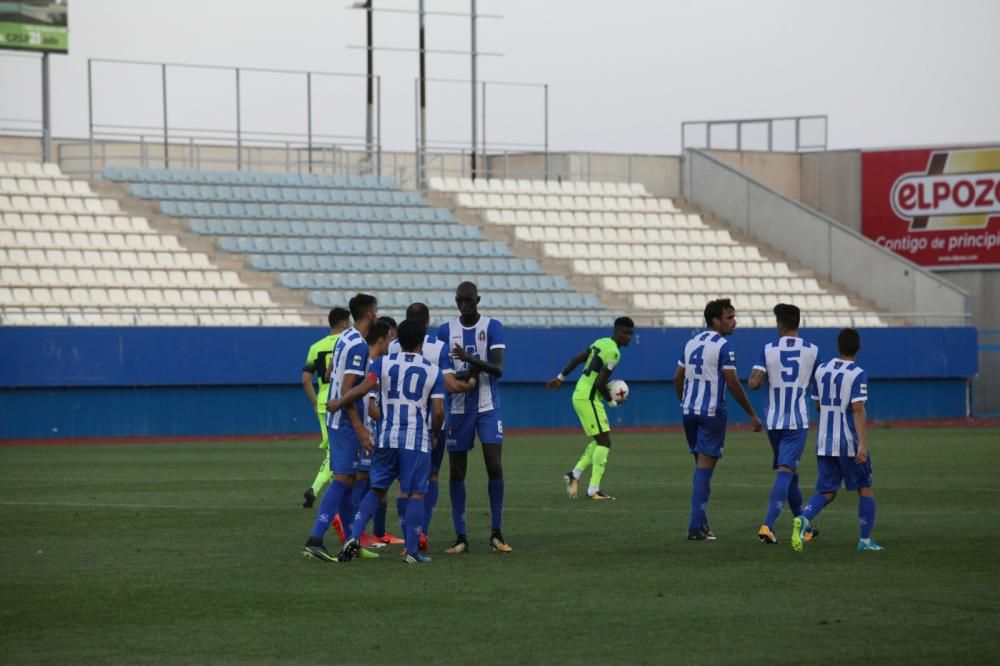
787 366
591 392
841 390
707 366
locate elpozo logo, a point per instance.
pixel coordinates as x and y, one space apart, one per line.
959 190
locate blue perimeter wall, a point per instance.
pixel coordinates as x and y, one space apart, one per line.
115 382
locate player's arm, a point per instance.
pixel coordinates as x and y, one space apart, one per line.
733 382
349 397
679 381
437 416
307 386
861 425
757 378
602 384
373 409
558 380
453 384
493 365
351 409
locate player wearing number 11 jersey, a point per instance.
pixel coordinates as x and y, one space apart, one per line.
788 367
707 366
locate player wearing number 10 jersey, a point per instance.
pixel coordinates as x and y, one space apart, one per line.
788 367
707 366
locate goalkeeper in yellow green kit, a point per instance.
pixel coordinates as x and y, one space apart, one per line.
591 392
317 361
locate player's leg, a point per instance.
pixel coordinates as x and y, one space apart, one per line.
859 477
710 437
489 427
601 453
415 467
343 450
787 446
589 424
383 470
829 476
431 498
323 475
461 431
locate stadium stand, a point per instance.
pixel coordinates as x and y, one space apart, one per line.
70 257
645 250
332 236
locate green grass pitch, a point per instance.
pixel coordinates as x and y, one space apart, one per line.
190 553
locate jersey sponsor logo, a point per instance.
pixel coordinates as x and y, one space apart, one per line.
863 389
482 335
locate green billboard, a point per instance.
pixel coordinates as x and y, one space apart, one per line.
34 25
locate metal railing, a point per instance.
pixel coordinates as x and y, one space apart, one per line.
795 122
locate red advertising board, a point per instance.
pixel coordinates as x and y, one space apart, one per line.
938 207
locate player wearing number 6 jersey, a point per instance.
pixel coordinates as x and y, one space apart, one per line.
787 366
591 392
706 367
841 390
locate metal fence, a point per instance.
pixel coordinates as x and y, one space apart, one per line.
783 133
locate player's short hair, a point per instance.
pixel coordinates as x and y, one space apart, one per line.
717 308
388 321
849 342
419 312
360 304
787 316
624 322
376 333
410 334
338 316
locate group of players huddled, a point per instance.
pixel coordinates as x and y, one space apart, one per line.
384 417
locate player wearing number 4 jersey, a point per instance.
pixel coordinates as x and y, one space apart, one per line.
707 366
787 366
591 392
841 390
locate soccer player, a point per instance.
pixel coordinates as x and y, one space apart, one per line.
591 391
316 364
706 367
841 390
412 389
391 323
437 352
477 347
788 367
348 432
378 343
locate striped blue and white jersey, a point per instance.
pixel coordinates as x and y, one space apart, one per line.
477 340
350 357
839 384
790 364
704 358
409 382
434 350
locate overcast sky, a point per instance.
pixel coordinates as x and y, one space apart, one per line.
622 74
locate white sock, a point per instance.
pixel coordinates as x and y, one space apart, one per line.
592 489
866 541
577 473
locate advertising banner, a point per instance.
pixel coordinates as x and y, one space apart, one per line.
938 207
34 25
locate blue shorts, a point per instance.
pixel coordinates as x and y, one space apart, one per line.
836 469
787 446
437 453
411 468
461 430
706 434
344 447
364 462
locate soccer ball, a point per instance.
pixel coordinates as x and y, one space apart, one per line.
618 390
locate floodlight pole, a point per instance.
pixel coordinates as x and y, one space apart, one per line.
422 151
46 111
370 119
474 134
